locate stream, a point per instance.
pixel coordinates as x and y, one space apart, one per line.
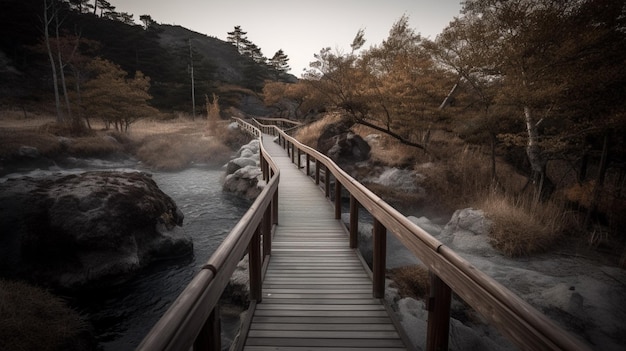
123 315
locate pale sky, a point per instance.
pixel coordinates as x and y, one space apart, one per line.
299 28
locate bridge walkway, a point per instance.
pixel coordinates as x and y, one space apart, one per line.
316 292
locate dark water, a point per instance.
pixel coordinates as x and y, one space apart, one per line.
123 315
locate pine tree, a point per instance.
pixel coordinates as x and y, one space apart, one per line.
280 61
238 38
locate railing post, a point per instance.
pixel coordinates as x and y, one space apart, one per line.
308 165
354 222
267 231
380 259
337 199
293 152
275 208
317 172
299 162
438 314
326 182
210 338
255 265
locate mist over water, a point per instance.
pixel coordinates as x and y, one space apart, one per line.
123 315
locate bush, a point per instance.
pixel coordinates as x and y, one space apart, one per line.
411 281
33 319
523 227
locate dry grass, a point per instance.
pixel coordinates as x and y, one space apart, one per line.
33 319
171 152
523 227
411 281
165 142
308 134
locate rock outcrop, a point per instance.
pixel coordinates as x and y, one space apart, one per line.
86 230
344 147
242 172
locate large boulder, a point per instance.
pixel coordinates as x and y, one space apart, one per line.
344 147
88 230
243 171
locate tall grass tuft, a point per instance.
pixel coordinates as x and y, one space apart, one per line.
33 319
411 281
522 226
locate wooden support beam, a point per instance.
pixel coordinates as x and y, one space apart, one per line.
308 165
267 231
326 182
380 259
354 222
438 315
210 338
337 199
255 264
317 172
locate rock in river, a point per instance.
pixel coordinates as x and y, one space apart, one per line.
87 230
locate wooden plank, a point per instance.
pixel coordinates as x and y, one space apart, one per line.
314 348
311 326
316 292
323 334
366 343
305 307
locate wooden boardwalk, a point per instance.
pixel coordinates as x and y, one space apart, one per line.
316 292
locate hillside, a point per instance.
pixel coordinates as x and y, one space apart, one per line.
164 53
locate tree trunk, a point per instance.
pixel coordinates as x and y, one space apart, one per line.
62 69
46 22
543 185
597 188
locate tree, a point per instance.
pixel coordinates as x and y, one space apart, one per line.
114 97
280 62
238 38
213 113
50 15
147 21
394 88
535 50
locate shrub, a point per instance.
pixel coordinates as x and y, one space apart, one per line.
523 227
33 319
411 281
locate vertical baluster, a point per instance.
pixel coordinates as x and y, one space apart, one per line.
337 199
317 172
354 222
267 231
255 265
275 208
438 314
308 165
380 259
210 338
299 162
326 182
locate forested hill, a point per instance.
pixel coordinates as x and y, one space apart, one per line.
162 52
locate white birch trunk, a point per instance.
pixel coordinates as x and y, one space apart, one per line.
46 22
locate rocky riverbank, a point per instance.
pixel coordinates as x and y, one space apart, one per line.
88 230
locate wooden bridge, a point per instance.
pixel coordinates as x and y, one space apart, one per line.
310 289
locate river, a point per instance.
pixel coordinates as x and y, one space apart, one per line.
123 315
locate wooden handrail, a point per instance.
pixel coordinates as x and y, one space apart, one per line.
515 318
183 324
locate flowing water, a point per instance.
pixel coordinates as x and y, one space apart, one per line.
123 315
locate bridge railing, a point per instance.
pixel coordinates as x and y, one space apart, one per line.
193 318
515 318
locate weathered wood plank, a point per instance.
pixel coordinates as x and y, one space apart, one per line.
363 343
316 293
336 327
